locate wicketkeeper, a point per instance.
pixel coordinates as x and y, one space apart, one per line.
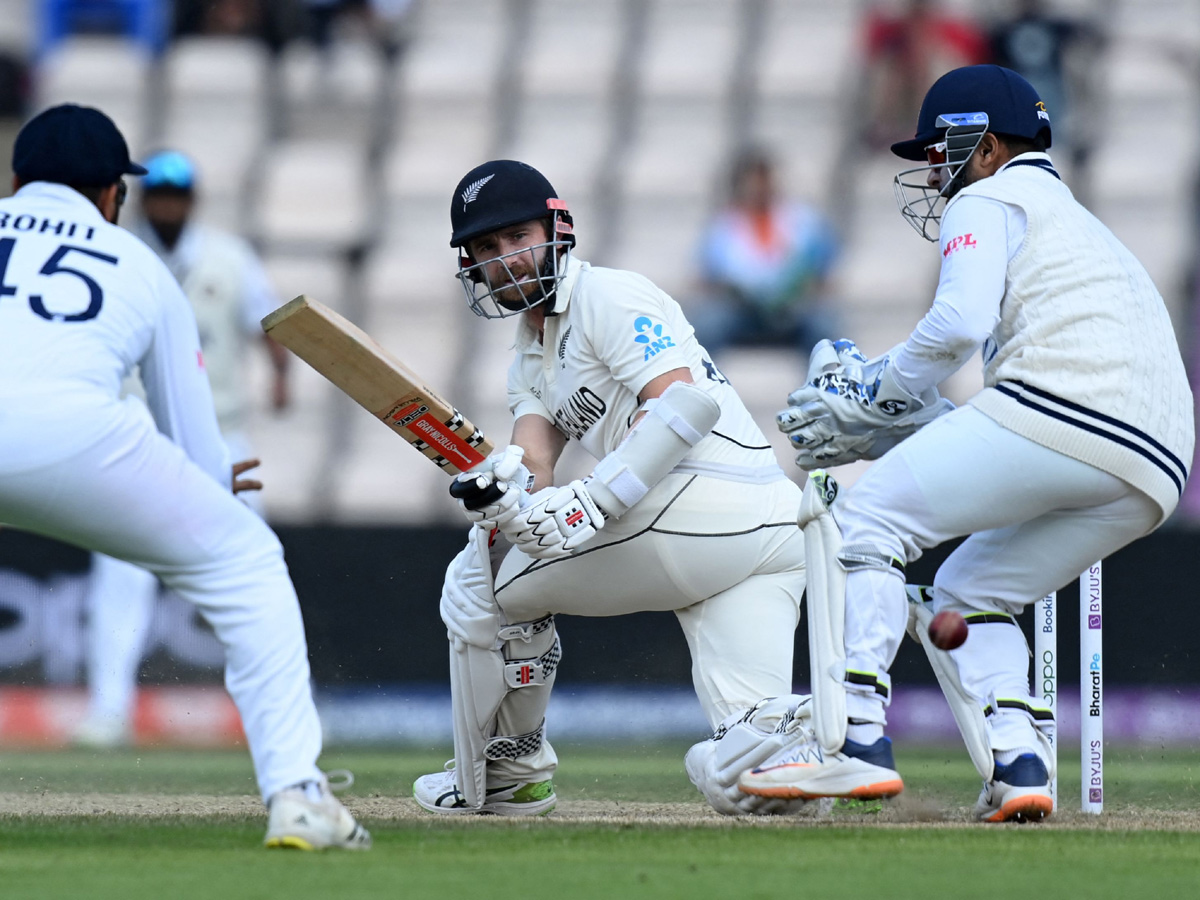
1078 444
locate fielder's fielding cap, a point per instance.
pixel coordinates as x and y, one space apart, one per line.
72 144
497 194
1011 103
169 170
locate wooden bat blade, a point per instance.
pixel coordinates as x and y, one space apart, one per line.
378 381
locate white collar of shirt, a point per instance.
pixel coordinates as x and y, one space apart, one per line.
60 193
527 335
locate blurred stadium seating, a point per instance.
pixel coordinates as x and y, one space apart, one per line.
339 162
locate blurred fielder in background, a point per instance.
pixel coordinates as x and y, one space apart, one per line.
229 293
81 303
1077 445
686 510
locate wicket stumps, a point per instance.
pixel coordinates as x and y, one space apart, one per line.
1091 682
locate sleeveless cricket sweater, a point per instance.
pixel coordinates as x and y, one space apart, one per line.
1084 359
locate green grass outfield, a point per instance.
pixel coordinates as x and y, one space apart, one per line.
183 825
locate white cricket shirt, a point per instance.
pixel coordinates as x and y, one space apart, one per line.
614 332
82 302
1079 352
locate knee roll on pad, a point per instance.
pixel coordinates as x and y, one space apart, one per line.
468 603
674 423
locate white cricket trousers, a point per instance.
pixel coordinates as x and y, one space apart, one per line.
726 557
120 604
1036 520
134 495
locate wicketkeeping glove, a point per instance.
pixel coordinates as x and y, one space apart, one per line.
557 521
839 450
852 408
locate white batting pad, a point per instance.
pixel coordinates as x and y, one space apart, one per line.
826 592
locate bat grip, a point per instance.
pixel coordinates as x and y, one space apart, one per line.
476 493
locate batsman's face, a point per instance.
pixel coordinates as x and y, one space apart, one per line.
512 257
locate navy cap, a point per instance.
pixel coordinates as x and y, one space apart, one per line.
72 144
497 194
1011 103
170 170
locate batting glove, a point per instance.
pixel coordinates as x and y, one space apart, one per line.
556 522
496 489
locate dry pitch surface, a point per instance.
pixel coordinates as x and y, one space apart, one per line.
899 813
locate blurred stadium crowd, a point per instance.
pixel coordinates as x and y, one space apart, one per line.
331 133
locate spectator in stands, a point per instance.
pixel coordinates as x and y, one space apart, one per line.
907 49
1038 45
764 263
384 20
275 22
230 293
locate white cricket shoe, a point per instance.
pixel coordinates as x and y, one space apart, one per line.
1018 792
307 816
439 793
805 771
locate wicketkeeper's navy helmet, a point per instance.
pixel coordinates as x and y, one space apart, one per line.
1012 105
961 107
496 195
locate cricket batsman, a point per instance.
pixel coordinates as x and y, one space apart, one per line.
685 510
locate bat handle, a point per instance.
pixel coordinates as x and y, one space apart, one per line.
476 493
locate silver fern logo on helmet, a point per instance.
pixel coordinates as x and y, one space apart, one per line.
473 189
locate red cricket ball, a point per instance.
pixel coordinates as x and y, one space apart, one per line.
948 630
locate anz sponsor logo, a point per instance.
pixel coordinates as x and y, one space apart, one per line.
650 333
582 410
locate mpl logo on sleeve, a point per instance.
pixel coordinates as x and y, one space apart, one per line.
956 243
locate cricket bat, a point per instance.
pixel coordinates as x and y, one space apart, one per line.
379 382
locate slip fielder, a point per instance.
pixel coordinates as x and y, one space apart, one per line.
81 302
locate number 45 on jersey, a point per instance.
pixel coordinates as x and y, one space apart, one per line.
53 266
